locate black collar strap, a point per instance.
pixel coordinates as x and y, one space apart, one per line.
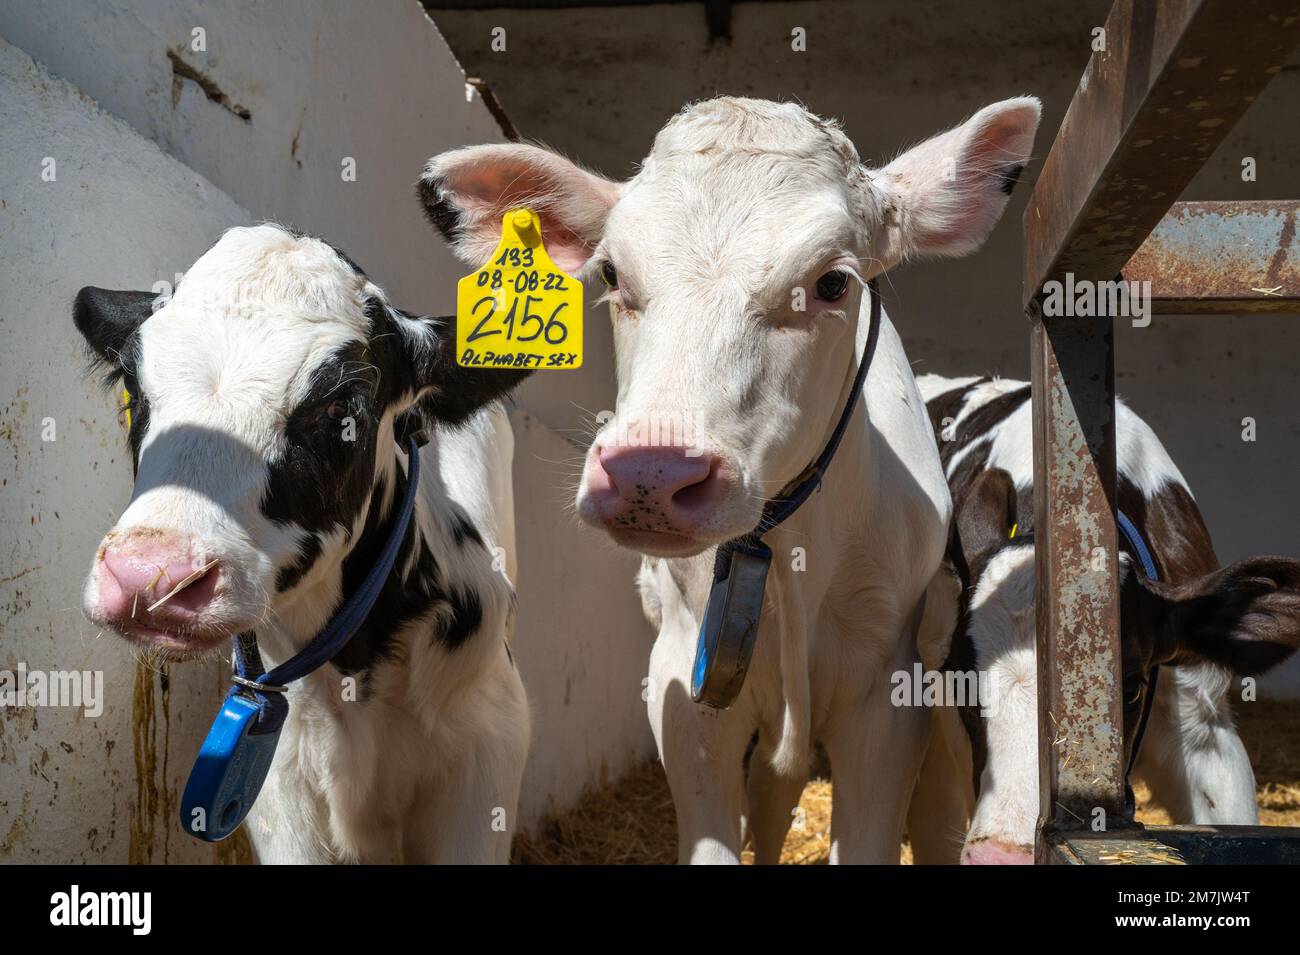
730 626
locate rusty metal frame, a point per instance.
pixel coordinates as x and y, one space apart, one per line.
1222 257
1179 845
1172 82
1174 78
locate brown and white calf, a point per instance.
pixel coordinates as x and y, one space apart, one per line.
735 262
1198 623
264 395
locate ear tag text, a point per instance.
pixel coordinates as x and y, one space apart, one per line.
519 310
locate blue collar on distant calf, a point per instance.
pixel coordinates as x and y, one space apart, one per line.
1143 555
740 567
237 753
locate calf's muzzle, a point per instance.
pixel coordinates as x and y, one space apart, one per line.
666 489
154 580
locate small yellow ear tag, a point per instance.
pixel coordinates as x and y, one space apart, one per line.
1014 528
126 405
519 310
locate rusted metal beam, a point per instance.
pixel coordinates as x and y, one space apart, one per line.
1080 725
1174 78
1222 258
1131 847
1180 845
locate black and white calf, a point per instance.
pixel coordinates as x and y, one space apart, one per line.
1198 623
264 398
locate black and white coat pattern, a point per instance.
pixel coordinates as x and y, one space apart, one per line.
1206 621
265 394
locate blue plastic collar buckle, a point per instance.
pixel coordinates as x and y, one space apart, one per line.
730 626
230 769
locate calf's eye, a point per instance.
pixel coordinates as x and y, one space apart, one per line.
337 410
608 274
832 286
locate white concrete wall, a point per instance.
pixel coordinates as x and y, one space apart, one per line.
582 643
896 72
321 80
119 213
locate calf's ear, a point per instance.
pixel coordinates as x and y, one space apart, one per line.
987 515
443 390
1245 617
466 192
944 196
107 319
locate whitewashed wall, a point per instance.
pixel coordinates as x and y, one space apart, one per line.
321 81
119 212
583 644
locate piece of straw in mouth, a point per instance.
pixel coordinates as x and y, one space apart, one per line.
182 585
162 572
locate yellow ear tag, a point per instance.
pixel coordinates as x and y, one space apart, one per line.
126 405
1012 535
519 310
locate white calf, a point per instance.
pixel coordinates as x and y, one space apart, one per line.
735 263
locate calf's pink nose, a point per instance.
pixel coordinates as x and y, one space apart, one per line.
656 487
996 852
135 575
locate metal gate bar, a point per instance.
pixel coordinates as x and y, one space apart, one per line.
1222 258
1173 79
1175 76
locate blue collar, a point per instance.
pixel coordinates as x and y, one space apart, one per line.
1137 544
1143 555
237 753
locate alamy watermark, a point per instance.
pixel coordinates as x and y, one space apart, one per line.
922 687
21 687
669 429
1084 298
133 910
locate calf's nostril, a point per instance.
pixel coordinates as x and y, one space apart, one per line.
668 488
701 492
192 591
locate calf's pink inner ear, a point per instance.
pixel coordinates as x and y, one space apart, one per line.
944 196
481 183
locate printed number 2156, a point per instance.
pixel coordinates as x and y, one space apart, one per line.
520 323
